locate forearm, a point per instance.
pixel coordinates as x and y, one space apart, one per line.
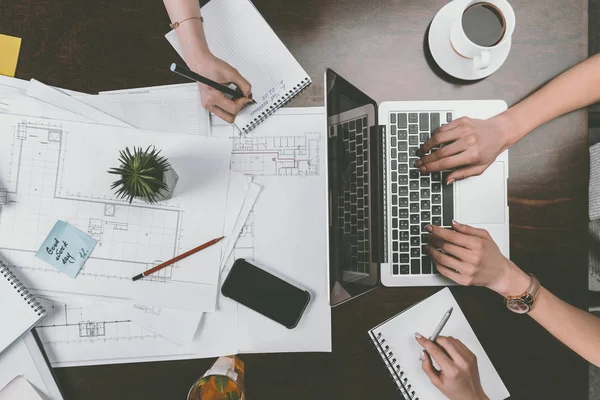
576 88
190 33
577 329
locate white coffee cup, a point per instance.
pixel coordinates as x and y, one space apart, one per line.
480 55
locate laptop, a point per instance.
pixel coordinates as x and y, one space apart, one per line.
379 203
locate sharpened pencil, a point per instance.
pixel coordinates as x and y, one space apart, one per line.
178 258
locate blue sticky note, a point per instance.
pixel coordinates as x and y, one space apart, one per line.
66 248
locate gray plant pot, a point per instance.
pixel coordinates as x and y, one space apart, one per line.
171 178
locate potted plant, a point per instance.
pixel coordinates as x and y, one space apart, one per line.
144 174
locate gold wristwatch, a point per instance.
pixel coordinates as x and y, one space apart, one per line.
524 303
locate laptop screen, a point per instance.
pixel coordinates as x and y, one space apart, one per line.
352 184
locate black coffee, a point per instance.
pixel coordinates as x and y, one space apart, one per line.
483 24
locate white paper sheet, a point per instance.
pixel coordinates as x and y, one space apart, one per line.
31 107
170 111
249 201
178 326
63 100
19 389
287 230
12 86
65 166
76 335
14 100
150 89
25 358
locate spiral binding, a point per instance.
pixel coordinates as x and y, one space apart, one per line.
393 367
21 290
278 104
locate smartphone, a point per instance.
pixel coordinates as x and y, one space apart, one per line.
265 293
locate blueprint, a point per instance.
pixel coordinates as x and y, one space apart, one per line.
76 334
265 239
285 155
51 171
287 230
277 155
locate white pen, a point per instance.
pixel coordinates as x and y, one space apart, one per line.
441 325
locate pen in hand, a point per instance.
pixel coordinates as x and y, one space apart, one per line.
191 75
438 329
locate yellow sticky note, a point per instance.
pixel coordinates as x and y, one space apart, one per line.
9 54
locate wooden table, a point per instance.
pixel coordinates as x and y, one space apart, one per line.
378 45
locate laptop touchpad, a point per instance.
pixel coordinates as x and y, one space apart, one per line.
482 199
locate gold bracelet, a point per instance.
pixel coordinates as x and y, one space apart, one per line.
175 25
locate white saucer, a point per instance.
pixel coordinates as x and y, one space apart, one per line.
449 60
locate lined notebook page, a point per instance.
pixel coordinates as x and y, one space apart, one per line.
237 33
399 334
19 312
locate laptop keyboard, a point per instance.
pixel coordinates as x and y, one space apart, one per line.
416 199
353 202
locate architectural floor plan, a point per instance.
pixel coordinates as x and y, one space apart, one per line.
36 175
76 324
285 164
276 155
57 171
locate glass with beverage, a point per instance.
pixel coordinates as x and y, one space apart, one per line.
223 381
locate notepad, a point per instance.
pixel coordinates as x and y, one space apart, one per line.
9 54
19 311
395 341
237 33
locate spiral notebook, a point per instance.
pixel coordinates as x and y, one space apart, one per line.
395 341
19 311
237 33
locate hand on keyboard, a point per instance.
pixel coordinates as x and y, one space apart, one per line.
469 256
470 145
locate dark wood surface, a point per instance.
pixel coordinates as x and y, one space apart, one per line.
378 45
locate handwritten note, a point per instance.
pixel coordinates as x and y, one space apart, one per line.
269 98
66 248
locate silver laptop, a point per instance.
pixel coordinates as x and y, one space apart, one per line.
379 203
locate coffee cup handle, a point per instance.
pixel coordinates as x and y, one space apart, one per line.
482 60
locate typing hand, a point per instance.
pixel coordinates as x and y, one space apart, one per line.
212 99
469 256
458 378
471 145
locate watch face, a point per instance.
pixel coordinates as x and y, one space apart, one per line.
517 306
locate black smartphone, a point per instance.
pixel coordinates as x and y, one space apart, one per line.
265 293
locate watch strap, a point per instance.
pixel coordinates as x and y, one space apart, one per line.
528 297
534 288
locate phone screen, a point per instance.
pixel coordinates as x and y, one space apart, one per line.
265 293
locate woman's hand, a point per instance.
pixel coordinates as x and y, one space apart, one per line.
458 378
212 99
198 57
469 256
471 145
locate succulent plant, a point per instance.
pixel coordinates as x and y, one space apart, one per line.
141 174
